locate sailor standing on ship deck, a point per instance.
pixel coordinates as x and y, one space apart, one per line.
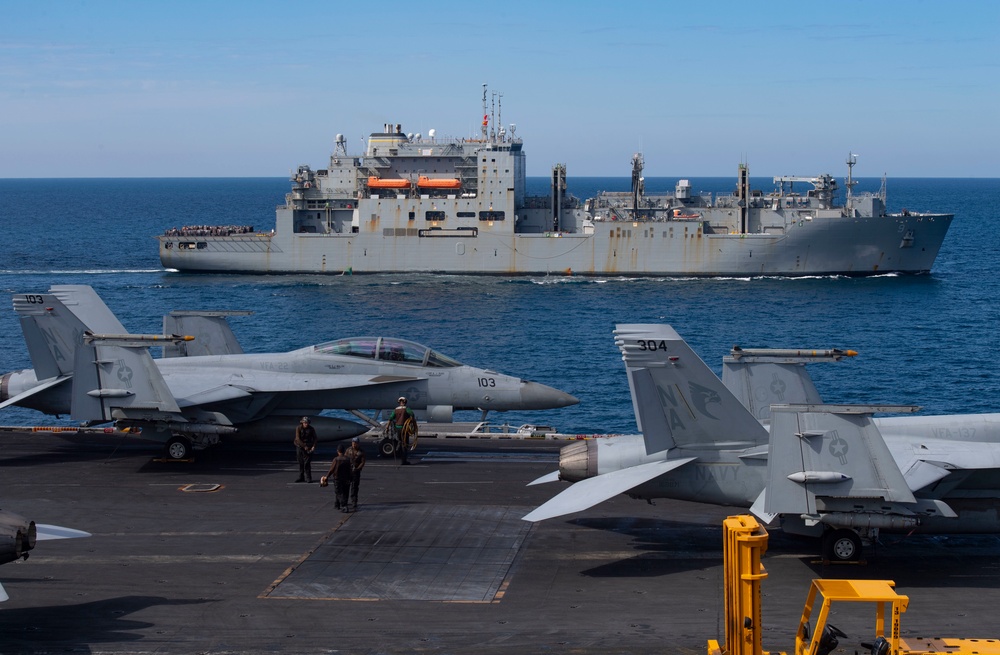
305 444
404 423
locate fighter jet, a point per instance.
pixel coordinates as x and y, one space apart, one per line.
19 535
830 471
88 366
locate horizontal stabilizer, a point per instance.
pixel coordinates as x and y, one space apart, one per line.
33 390
47 532
589 492
548 477
757 509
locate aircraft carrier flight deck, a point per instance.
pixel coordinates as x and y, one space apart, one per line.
227 554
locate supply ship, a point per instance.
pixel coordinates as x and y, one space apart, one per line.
414 203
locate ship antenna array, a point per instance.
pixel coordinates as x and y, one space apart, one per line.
850 183
486 116
493 116
499 120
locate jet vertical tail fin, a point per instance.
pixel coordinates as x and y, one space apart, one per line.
211 331
53 324
761 377
678 400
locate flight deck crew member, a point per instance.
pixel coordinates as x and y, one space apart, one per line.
400 416
340 475
305 445
357 457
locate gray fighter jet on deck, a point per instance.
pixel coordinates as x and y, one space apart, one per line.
763 439
88 366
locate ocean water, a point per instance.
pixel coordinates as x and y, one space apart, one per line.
926 340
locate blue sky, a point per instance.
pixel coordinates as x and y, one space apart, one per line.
191 89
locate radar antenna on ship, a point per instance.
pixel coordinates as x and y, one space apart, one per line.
340 146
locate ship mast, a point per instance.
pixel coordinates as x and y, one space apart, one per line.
850 183
486 116
499 116
638 182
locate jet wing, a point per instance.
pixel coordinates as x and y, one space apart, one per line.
589 492
830 452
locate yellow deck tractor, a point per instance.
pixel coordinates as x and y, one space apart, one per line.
745 541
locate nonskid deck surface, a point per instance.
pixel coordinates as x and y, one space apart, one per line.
229 555
448 553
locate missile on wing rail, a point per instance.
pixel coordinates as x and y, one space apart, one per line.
134 339
789 355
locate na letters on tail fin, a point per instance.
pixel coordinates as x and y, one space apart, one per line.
678 401
53 324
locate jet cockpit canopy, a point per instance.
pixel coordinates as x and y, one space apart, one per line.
387 349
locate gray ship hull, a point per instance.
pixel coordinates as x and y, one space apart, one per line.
822 246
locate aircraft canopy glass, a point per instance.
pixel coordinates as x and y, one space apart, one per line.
389 350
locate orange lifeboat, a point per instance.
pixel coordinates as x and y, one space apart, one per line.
438 183
387 183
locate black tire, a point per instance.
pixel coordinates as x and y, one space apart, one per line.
178 448
387 448
842 545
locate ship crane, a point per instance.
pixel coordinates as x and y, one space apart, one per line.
822 183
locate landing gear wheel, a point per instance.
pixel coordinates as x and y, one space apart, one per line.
842 545
387 448
178 448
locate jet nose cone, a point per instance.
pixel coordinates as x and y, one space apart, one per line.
539 396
